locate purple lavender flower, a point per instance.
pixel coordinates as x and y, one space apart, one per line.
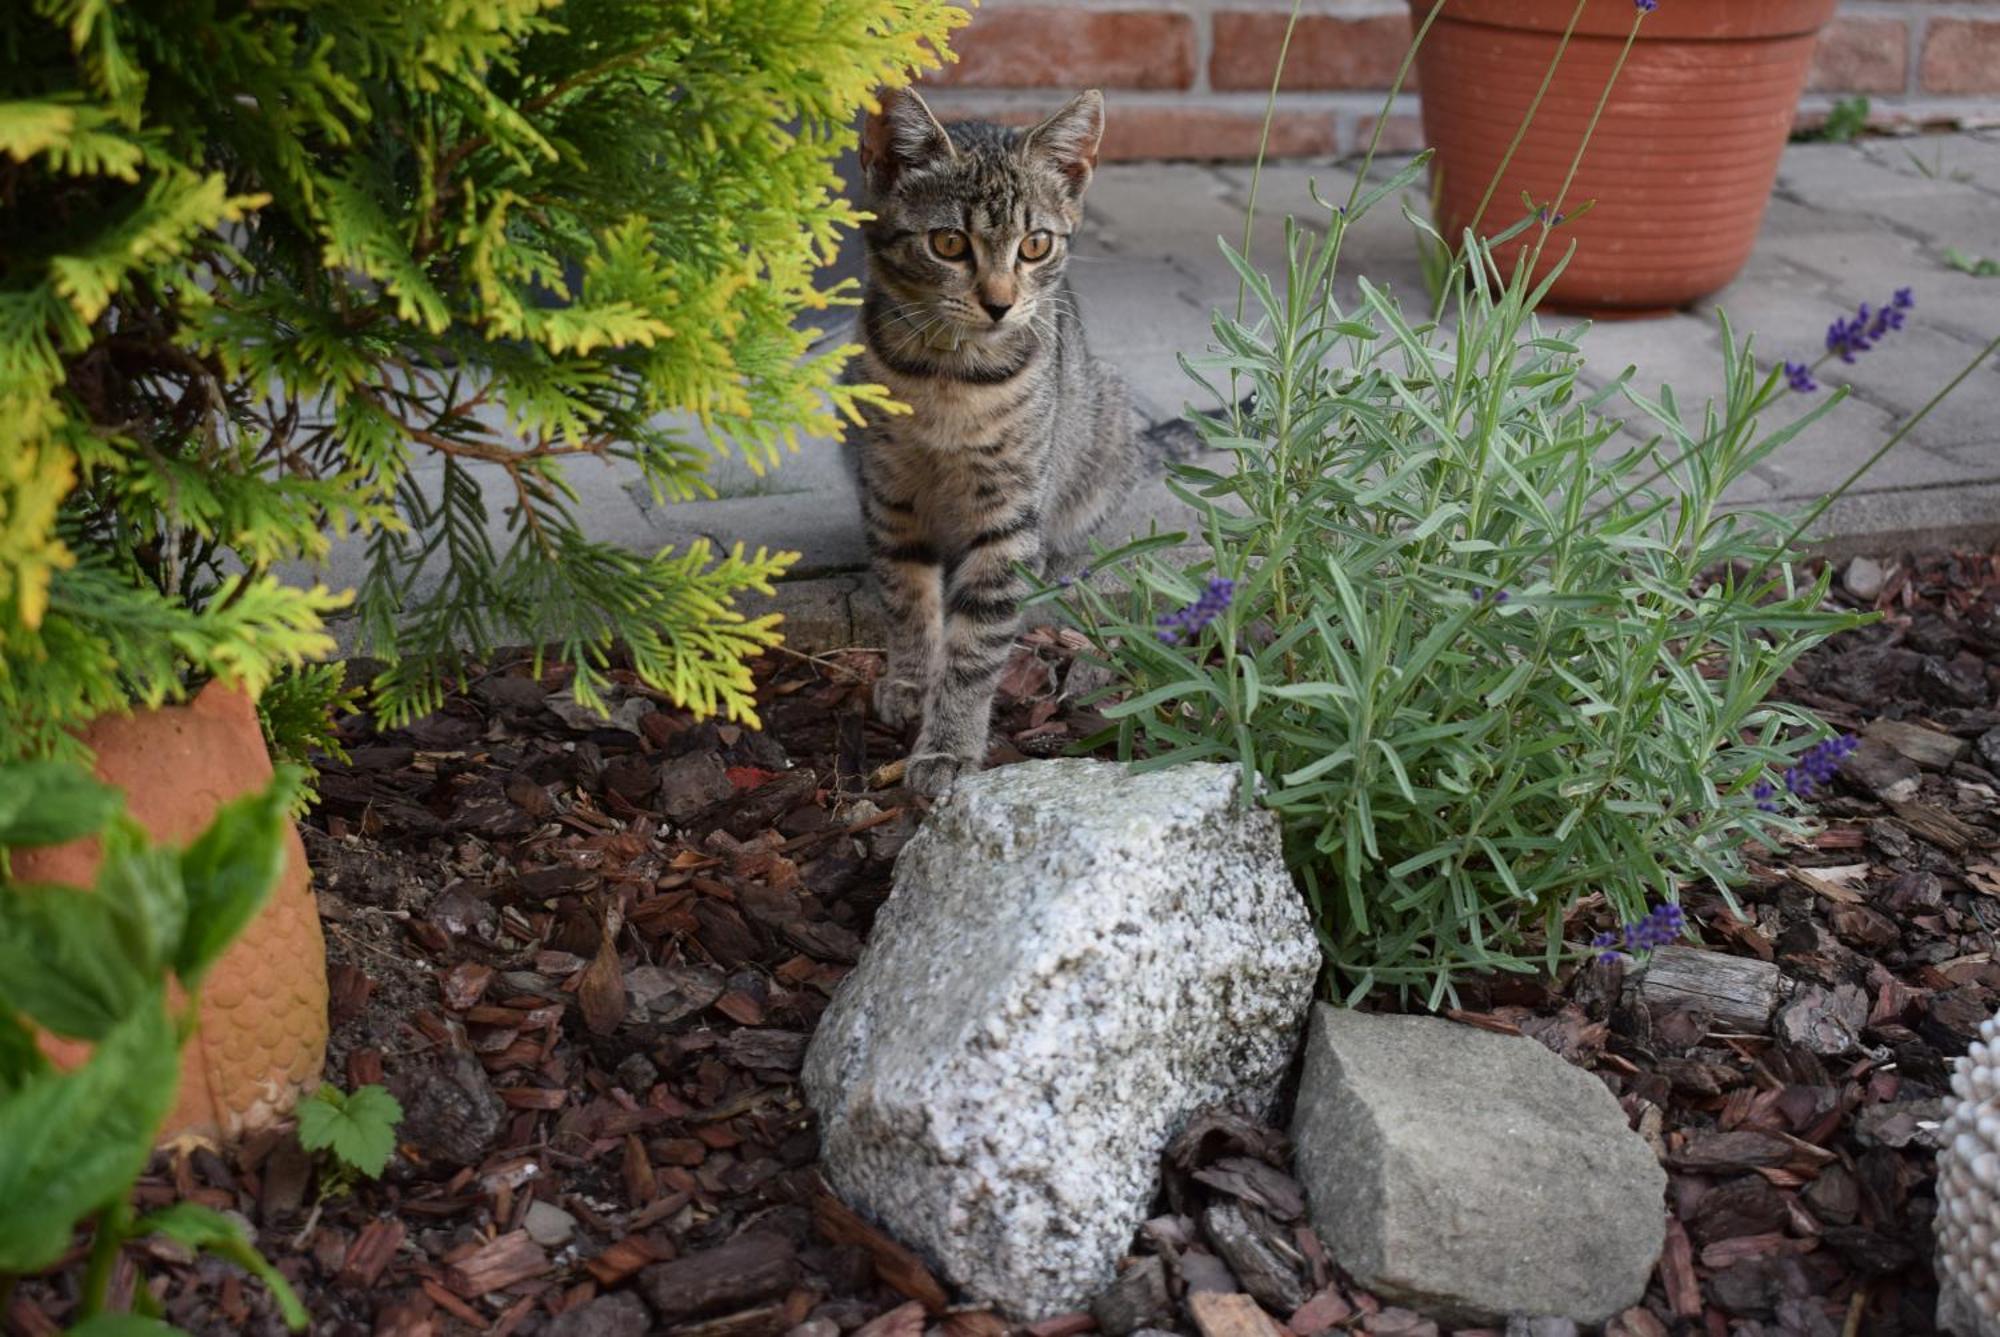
1499 596
1187 623
1065 582
1800 376
1661 928
1645 6
1817 766
1847 335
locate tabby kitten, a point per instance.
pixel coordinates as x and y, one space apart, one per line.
1019 442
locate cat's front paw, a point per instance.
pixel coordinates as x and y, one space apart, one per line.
933 773
898 701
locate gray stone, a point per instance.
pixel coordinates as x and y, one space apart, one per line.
1473 1176
1136 1300
1074 960
1864 578
548 1225
1826 1021
619 1315
1541 1327
665 994
690 782
1989 750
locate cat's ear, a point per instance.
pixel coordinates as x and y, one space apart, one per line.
902 135
1069 139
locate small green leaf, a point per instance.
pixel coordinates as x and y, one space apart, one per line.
49 802
65 960
230 870
75 1141
359 1128
199 1227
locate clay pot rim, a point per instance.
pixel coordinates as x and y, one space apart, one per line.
1675 20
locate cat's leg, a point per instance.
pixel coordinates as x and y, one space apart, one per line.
909 574
982 603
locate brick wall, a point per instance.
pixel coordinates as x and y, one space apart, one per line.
1189 78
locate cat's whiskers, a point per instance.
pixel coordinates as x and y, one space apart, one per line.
917 332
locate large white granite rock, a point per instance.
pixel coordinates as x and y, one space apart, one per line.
1074 960
1476 1177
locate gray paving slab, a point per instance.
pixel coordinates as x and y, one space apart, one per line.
1848 223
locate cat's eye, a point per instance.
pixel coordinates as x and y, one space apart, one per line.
949 243
1036 246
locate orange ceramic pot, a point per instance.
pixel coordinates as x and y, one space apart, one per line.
1681 165
261 1037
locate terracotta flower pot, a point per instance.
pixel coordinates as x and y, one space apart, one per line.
1681 165
261 1038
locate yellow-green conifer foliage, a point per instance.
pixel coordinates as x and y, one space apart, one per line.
265 266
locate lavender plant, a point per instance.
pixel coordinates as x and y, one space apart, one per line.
1485 643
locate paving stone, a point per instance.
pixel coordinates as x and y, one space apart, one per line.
1842 178
1848 223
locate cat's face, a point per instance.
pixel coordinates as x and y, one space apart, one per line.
972 223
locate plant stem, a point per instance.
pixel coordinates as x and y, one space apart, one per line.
113 1224
1894 437
1521 131
1263 143
1389 102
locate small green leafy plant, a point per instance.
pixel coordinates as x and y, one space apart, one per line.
1845 121
1979 267
357 1130
94 966
1485 639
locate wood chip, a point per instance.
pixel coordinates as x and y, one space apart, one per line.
498 1264
763 1321
1815 881
371 1253
1232 1315
1256 1251
751 1270
600 990
1929 748
451 1304
1738 992
905 1320
624 1258
1062 1325
901 1269
1328 1309
1677 1272
1937 826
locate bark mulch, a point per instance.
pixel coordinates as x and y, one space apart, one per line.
587 957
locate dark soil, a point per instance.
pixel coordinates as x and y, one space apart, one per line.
587 958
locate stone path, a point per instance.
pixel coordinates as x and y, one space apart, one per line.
1849 223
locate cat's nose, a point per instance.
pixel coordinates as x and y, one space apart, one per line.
997 310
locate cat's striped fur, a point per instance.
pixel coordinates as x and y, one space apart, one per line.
1018 443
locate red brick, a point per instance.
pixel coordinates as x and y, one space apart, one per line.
1051 46
1326 52
1862 56
1961 56
1400 134
1183 133
1196 133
